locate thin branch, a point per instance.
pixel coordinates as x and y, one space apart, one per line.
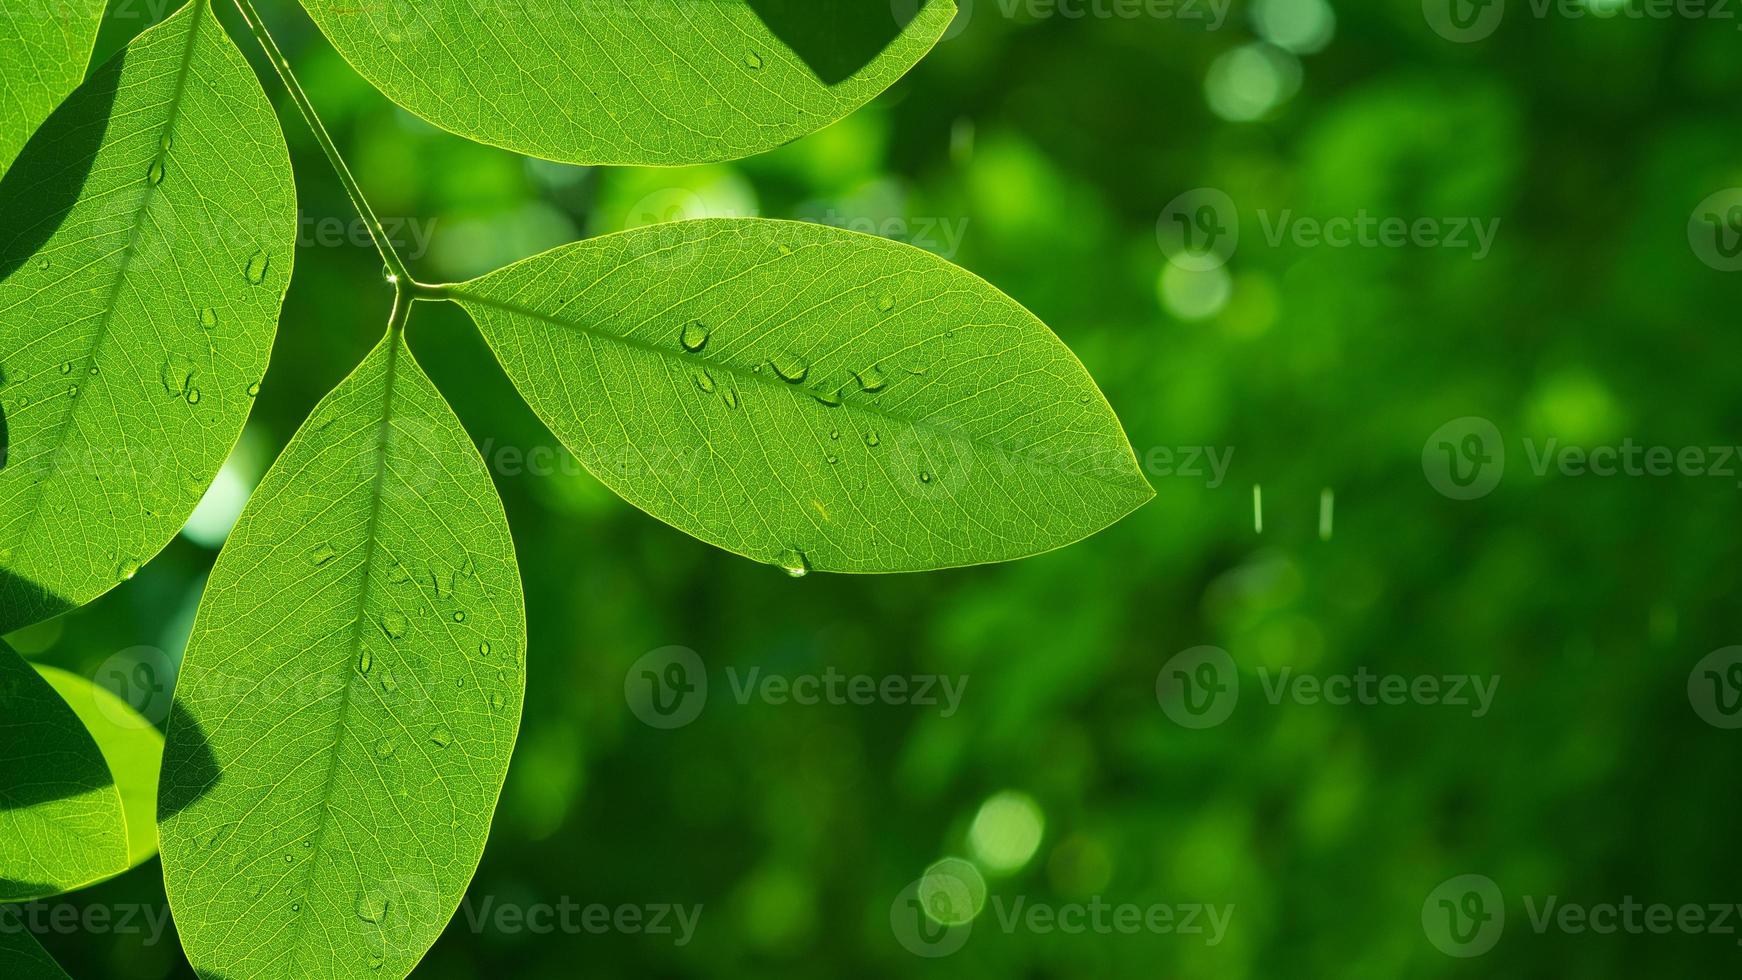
396 270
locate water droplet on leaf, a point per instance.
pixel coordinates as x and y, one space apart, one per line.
694 336
372 906
872 378
441 737
394 624
176 374
256 268
321 553
790 367
794 562
155 174
704 380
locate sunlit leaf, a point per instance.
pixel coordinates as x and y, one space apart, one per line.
632 81
810 397
61 824
130 745
144 252
44 48
350 696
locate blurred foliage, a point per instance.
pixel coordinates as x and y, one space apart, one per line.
1055 144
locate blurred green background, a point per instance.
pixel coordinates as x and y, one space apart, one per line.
1040 151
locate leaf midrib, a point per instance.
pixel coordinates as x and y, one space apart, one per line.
34 509
358 619
458 294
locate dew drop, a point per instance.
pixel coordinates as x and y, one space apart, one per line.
919 369
794 562
165 143
94 370
731 398
155 174
496 701
833 459
398 575
176 374
256 268
925 476
388 684
364 662
42 264
871 439
784 248
321 553
829 399
385 748
484 648
375 962
208 318
694 336
394 624
872 378
704 380
753 61
441 737
66 367
459 615
193 396
296 906
886 302
790 367
372 906
127 569
254 389
834 433
72 391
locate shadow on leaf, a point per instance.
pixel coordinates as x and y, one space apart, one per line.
44 183
190 771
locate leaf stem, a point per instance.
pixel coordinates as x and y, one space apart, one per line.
397 274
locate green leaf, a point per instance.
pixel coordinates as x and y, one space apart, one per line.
350 696
61 824
44 48
130 745
147 243
632 81
810 397
23 958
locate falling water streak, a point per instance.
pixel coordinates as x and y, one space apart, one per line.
1257 509
1327 501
